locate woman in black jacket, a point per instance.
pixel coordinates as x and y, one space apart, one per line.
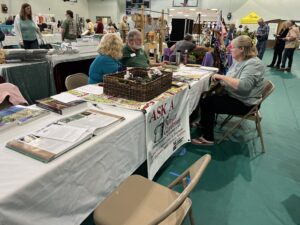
279 46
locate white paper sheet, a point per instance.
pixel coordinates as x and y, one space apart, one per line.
66 97
91 89
61 132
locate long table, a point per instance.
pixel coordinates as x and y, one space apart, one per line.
66 64
69 188
66 190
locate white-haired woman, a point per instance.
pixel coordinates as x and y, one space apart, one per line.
110 51
243 86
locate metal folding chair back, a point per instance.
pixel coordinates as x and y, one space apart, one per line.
76 80
254 114
140 201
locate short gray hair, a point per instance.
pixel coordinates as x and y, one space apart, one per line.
132 34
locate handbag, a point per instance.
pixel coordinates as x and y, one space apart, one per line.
44 45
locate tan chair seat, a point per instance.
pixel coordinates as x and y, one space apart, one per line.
149 201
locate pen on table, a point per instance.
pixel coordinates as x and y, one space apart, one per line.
97 106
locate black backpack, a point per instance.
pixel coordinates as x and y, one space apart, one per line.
2 35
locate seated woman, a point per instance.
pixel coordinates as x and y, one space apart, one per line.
110 50
243 86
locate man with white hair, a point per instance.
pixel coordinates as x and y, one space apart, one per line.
262 34
133 53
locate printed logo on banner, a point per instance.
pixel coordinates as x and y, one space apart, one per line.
167 129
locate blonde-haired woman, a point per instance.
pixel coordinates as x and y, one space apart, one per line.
110 51
243 87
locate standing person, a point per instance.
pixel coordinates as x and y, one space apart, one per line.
291 43
124 28
90 27
100 27
262 34
26 29
231 34
110 51
69 28
279 46
243 86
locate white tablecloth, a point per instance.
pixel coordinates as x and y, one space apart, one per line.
87 50
66 190
48 38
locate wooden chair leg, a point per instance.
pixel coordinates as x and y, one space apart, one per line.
259 131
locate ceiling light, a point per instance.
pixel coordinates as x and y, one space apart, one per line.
170 15
192 9
186 15
214 9
172 9
179 12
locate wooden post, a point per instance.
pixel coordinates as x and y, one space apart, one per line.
142 24
161 33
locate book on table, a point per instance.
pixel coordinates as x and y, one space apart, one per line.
57 138
18 115
60 107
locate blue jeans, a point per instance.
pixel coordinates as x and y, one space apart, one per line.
261 47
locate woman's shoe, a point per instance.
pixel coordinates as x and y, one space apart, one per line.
270 65
202 141
282 69
288 69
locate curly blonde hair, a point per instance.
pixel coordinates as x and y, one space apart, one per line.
111 45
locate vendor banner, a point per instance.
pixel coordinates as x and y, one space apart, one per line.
167 128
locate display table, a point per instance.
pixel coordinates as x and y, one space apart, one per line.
48 38
66 64
66 190
32 78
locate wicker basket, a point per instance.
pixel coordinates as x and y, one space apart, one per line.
116 85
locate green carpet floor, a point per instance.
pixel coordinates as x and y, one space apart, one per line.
242 186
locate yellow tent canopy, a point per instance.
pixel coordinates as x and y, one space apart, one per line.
251 18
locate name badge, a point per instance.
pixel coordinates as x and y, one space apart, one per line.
132 55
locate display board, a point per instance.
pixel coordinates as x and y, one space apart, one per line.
136 5
185 3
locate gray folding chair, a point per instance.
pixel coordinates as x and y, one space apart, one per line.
76 80
140 201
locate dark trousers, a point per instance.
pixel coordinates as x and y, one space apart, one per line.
261 47
288 54
221 105
277 55
31 44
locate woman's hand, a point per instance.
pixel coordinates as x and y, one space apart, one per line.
216 78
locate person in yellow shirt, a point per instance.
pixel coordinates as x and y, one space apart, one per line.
90 28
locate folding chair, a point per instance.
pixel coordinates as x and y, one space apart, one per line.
254 115
140 201
76 80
